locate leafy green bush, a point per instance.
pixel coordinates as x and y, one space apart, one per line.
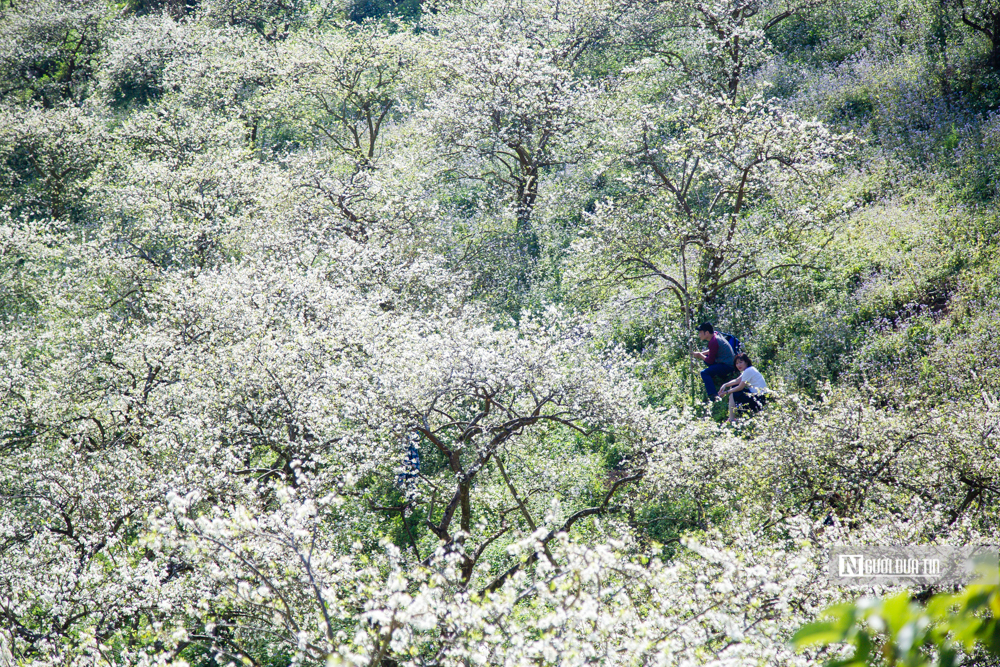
899 631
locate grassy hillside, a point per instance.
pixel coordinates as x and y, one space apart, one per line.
360 333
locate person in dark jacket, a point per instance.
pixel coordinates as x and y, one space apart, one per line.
718 357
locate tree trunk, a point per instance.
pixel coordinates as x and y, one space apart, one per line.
527 193
995 52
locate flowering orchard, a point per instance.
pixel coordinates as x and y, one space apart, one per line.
358 333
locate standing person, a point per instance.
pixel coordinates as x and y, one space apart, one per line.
718 357
749 389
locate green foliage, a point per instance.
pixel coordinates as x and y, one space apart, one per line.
664 523
362 10
249 247
898 631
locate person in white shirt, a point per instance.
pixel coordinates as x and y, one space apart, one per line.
749 389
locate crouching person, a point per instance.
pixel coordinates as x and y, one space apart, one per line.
718 357
748 391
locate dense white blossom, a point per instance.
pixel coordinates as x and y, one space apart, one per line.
320 344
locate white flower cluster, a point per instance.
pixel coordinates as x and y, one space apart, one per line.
260 404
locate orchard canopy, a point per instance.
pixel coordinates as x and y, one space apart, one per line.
358 332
